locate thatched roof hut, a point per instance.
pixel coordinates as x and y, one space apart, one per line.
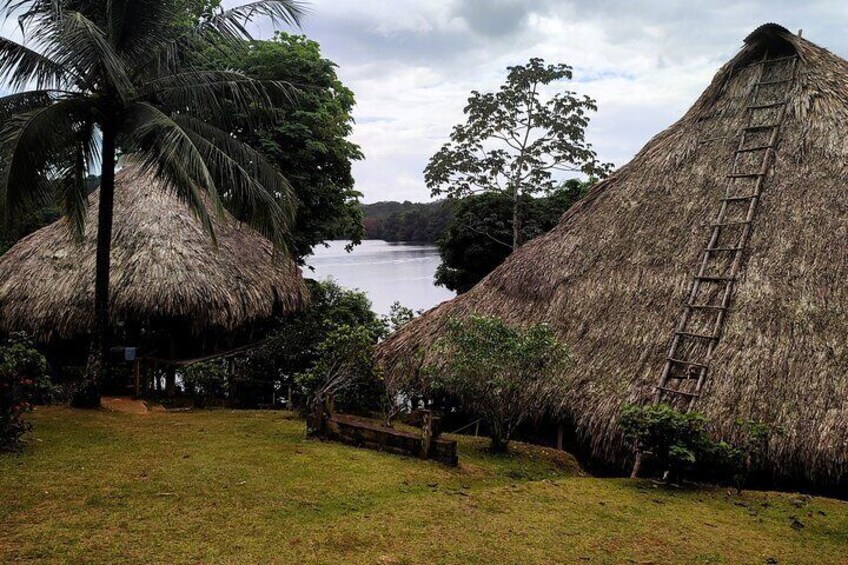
165 268
616 274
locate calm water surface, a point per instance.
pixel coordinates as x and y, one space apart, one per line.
386 272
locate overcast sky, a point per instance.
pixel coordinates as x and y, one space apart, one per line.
412 63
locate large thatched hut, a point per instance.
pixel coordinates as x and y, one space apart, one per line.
713 265
168 279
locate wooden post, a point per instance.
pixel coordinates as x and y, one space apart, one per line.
426 433
170 381
231 369
171 370
560 433
137 377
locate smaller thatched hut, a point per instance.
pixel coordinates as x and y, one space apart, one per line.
167 273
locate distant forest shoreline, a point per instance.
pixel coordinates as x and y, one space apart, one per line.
416 222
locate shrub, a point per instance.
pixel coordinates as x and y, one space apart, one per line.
503 374
674 441
295 345
678 442
206 380
399 316
344 368
23 372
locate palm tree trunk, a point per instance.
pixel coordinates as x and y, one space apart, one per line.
89 394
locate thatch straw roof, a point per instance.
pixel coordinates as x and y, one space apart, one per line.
613 277
164 266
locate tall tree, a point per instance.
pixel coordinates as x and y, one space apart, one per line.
517 141
95 78
308 139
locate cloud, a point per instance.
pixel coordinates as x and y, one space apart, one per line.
412 64
494 18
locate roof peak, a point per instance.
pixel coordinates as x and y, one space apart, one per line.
767 31
771 40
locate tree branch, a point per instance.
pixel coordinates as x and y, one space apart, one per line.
487 234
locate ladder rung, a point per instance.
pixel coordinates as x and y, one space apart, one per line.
738 198
777 81
684 377
722 249
687 363
726 224
770 61
752 149
760 128
714 279
681 392
766 106
744 175
697 336
705 307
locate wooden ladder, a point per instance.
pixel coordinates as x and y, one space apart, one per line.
699 330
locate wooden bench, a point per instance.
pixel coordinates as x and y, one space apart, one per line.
372 434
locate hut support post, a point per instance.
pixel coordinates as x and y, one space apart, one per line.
426 434
560 434
231 371
170 381
137 370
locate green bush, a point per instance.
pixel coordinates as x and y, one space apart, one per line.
344 368
678 443
296 345
746 454
23 376
207 380
673 441
505 375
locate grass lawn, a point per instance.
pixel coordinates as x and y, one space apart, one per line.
246 487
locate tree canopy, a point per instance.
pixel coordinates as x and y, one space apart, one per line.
517 141
478 237
307 139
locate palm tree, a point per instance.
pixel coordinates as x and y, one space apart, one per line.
92 79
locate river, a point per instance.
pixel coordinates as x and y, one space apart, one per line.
386 272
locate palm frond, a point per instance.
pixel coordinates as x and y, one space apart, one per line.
72 198
21 102
169 152
29 10
74 41
137 28
227 28
255 191
35 147
231 25
217 93
22 67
